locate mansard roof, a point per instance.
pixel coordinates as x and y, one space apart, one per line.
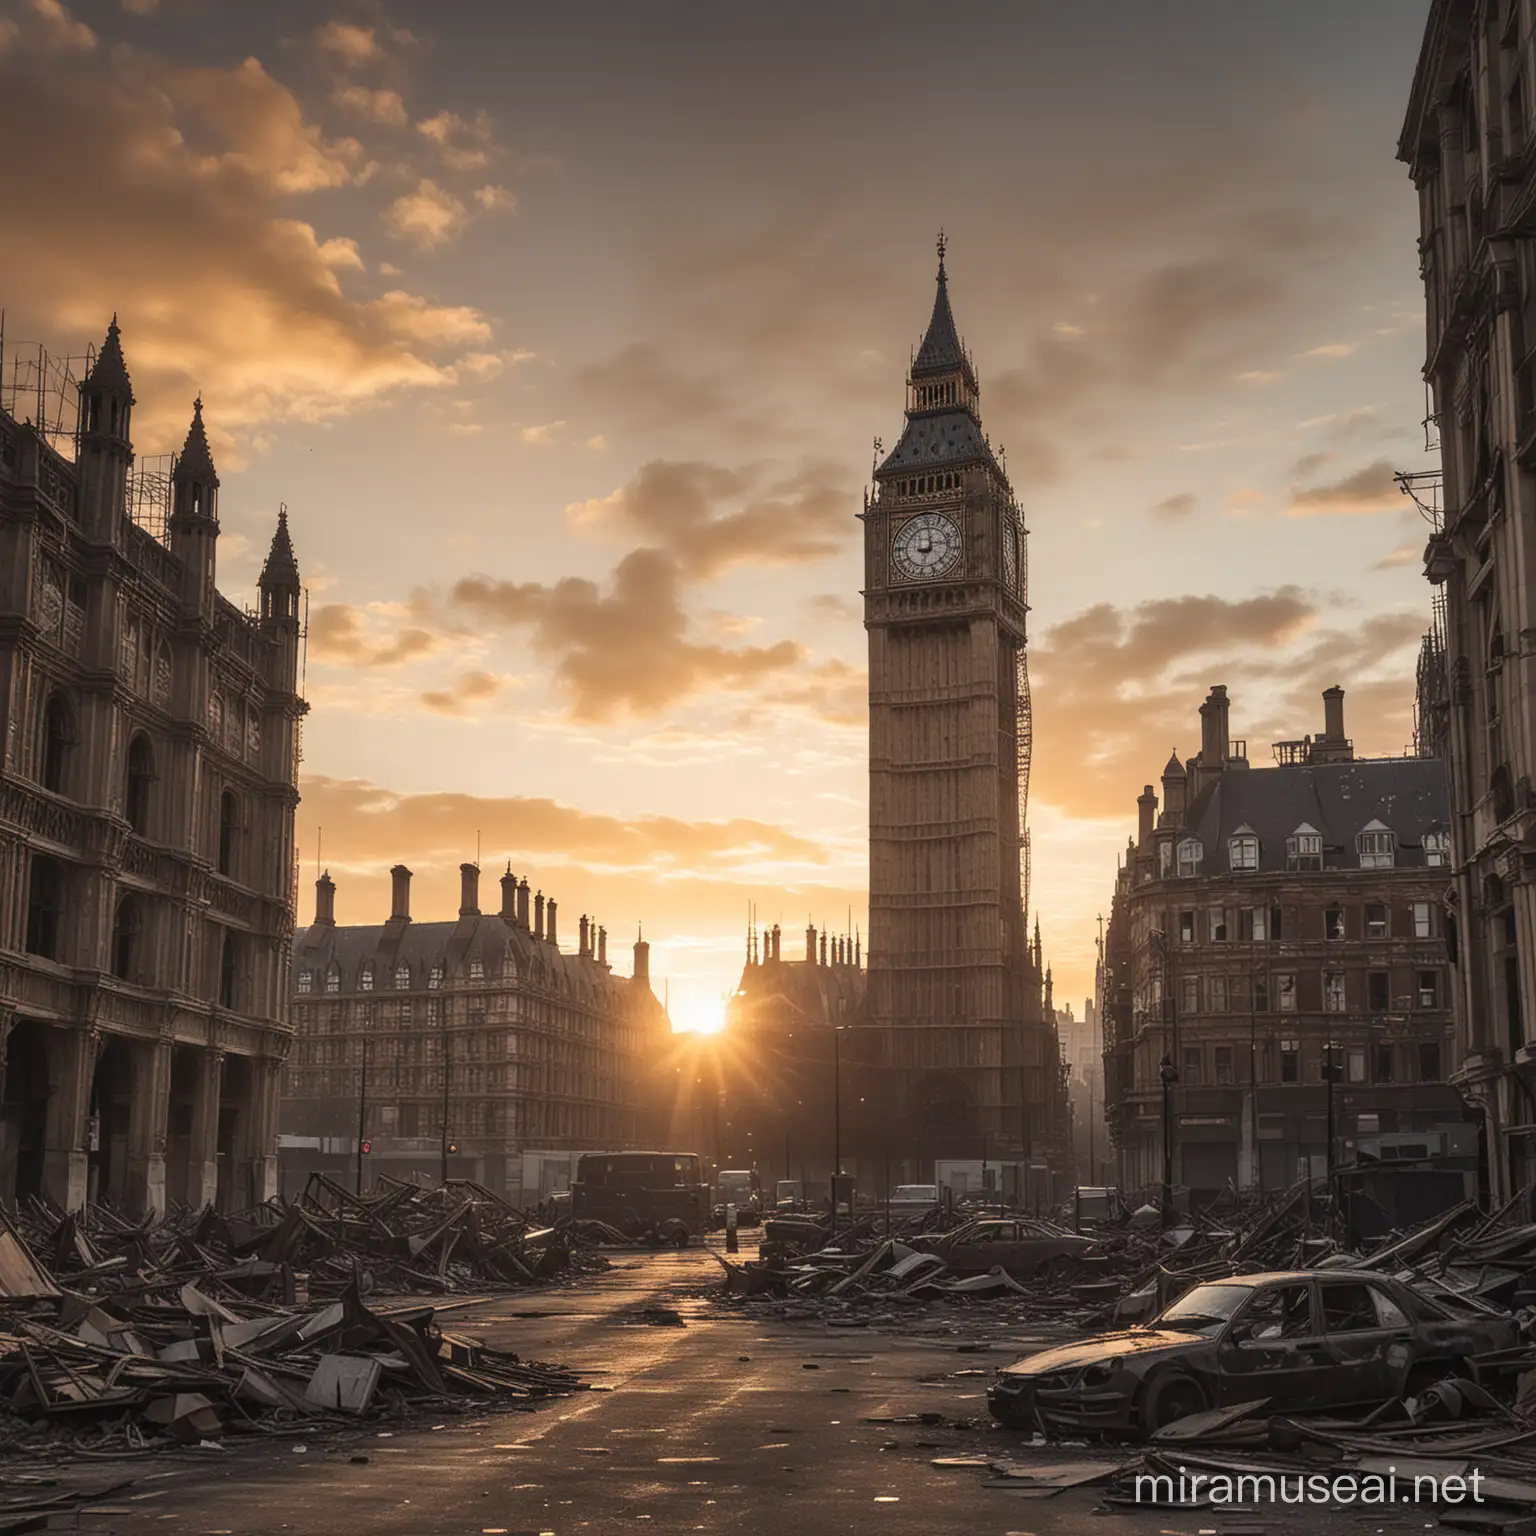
506 952
1338 800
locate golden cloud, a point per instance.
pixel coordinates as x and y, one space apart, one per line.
622 652
1368 490
712 518
342 634
1177 506
381 106
217 285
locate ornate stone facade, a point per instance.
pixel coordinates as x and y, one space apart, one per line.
149 731
1470 144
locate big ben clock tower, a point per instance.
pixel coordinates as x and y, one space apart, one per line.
955 990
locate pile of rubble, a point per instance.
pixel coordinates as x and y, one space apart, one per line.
164 1343
401 1239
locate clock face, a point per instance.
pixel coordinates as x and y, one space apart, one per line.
926 547
1010 557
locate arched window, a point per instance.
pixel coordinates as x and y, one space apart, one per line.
45 902
333 978
58 744
402 978
125 937
306 981
229 971
435 977
476 971
141 778
365 979
229 831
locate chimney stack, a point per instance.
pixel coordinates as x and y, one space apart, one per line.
522 903
581 945
602 946
538 915
469 890
1333 714
642 963
509 896
549 921
1213 731
325 901
400 895
773 950
1146 819
823 949
810 944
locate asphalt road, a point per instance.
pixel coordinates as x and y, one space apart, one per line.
727 1423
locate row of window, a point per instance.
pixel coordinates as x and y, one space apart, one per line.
922 485
1352 1064
1267 924
60 737
1375 847
1261 993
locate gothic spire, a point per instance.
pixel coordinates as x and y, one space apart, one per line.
941 351
109 373
281 570
195 461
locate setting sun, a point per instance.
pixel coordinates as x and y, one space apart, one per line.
697 1014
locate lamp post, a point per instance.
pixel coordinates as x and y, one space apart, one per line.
447 1068
362 1111
1331 1074
1169 1074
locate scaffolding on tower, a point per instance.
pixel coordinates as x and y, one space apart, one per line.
1025 731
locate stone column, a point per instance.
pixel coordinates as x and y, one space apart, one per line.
257 1180
9 1135
71 1062
146 1127
203 1150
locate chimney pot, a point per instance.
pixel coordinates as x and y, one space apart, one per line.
522 903
469 890
549 922
581 947
810 944
538 915
325 901
1146 818
642 963
400 894
1333 714
509 896
602 946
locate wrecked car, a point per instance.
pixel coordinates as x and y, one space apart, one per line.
1302 1340
1018 1245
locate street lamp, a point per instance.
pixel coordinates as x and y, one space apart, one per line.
1169 1074
1331 1074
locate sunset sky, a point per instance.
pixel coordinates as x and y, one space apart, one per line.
564 332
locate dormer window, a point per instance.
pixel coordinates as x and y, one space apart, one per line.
1304 848
365 980
1191 850
306 981
1243 849
1437 849
1376 846
333 979
402 978
435 978
476 971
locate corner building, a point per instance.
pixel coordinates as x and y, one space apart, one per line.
474 1044
149 731
1469 141
1262 916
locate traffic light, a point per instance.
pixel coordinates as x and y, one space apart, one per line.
367 1146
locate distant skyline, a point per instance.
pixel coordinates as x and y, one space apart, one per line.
564 333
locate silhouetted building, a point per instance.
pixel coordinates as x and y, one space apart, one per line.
149 731
1262 917
480 1041
1470 145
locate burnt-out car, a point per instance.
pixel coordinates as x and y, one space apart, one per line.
1018 1244
1303 1340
